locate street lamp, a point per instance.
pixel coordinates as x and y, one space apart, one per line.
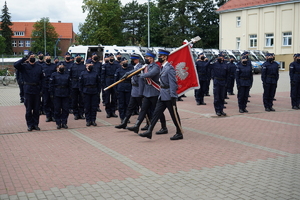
58 39
148 24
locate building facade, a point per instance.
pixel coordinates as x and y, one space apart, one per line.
269 25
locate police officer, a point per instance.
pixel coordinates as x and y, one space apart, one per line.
40 62
119 57
32 75
60 91
107 78
48 69
269 77
97 66
56 61
67 62
219 75
90 87
135 98
167 97
106 60
77 102
149 89
20 83
244 80
231 70
123 88
295 82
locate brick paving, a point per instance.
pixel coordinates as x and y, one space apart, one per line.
254 156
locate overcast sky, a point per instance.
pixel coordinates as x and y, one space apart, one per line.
56 10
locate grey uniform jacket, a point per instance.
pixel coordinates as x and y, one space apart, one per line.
153 73
168 84
135 82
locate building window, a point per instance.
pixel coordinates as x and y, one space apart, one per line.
238 43
14 43
287 39
269 40
21 43
27 43
238 21
19 33
253 41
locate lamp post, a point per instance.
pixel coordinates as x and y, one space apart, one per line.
58 39
148 24
45 34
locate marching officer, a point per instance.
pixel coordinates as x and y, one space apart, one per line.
295 82
48 69
97 66
90 87
32 75
269 77
231 77
107 78
77 102
167 97
123 88
60 91
244 80
219 75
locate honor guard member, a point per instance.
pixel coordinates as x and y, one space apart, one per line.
244 80
149 89
60 91
97 66
231 77
107 78
90 87
67 62
269 77
119 57
135 98
295 82
77 102
167 97
219 75
21 85
56 61
123 88
32 75
48 69
40 58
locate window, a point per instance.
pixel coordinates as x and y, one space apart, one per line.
287 39
269 40
238 21
14 43
21 43
19 33
253 41
27 43
238 43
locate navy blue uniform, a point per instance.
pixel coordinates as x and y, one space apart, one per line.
244 80
42 110
90 87
67 65
32 75
20 83
48 69
107 78
295 84
203 76
124 90
60 90
77 101
97 66
230 83
269 77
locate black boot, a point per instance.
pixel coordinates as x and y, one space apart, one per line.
136 127
147 134
145 127
123 124
163 130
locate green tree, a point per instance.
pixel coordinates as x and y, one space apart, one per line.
103 24
6 31
2 45
38 36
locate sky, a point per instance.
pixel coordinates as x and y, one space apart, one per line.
57 10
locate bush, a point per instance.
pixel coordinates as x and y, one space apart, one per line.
2 72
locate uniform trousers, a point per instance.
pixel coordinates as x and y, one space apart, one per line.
269 94
201 92
21 87
219 97
77 102
110 101
148 107
295 94
48 103
61 109
242 95
230 84
90 106
124 98
134 102
32 104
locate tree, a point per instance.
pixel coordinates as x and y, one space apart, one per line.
2 45
6 31
38 36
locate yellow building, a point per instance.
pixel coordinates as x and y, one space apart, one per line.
268 25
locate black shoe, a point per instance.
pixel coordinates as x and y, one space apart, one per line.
224 107
241 111
226 97
76 117
245 110
208 95
218 113
198 103
81 117
58 126
113 115
53 119
202 103
230 93
35 127
108 116
162 131
177 136
64 126
30 128
48 119
99 110
147 134
145 127
295 107
274 99
225 102
88 123
267 109
248 101
272 109
21 101
183 95
179 99
249 95
94 123
224 114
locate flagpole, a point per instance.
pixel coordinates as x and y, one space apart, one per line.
196 39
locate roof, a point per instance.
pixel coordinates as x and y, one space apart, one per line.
65 30
234 5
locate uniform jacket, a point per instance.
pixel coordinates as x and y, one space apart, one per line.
232 68
89 82
124 86
32 76
270 72
243 75
295 72
48 69
67 65
60 84
108 73
219 73
135 80
168 84
75 72
97 67
153 73
203 70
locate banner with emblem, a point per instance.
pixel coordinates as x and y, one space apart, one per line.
186 74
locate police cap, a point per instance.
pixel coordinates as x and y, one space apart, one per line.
123 59
67 54
118 53
163 52
110 55
134 56
94 54
244 57
150 54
